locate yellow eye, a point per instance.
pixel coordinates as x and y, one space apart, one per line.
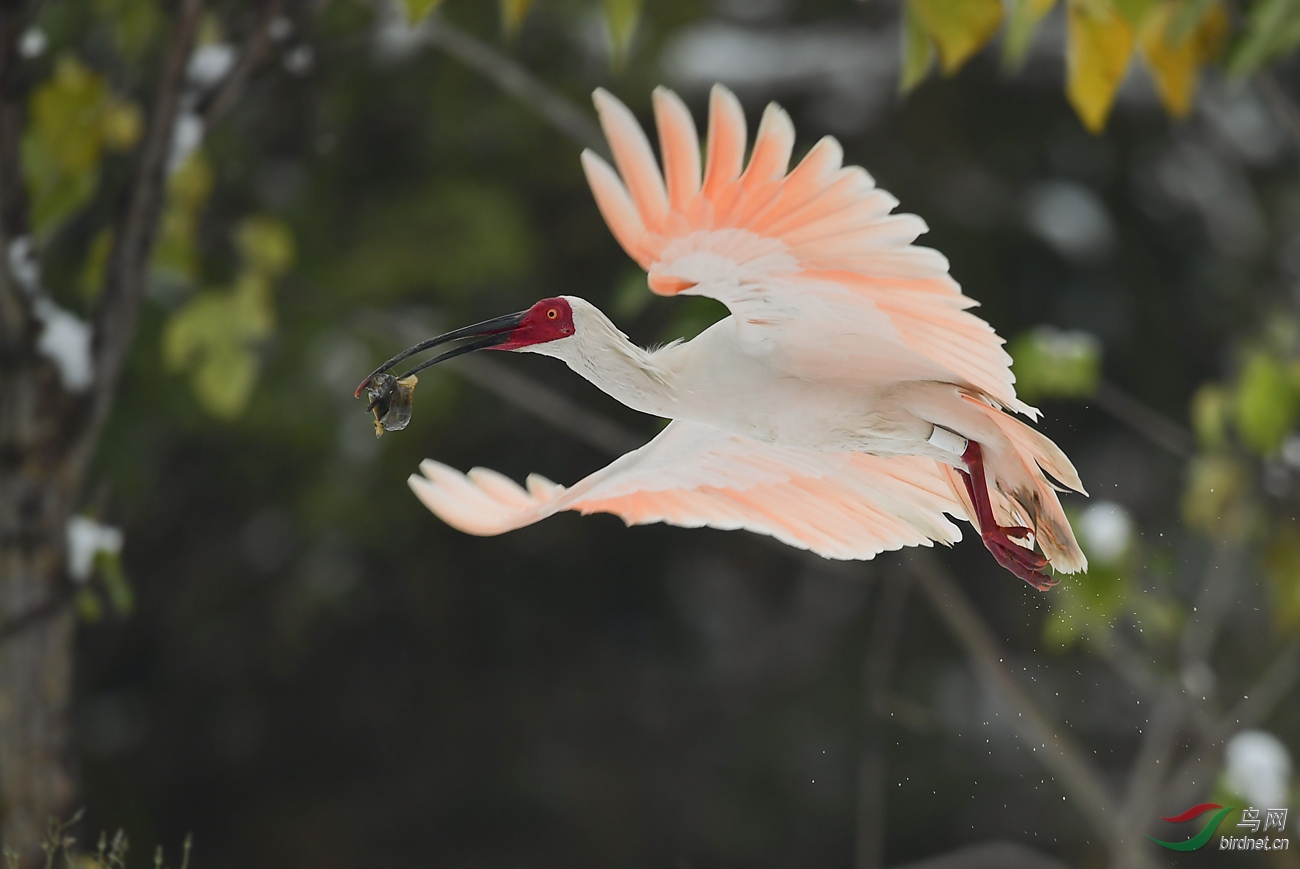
552 314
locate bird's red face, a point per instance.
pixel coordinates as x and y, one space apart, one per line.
548 320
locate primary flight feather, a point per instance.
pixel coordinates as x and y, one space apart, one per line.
850 404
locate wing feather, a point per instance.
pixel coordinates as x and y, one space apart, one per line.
680 146
839 505
765 240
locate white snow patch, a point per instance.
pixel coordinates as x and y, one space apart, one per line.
1072 219
1259 768
300 60
86 539
24 264
210 63
33 42
1106 531
280 28
187 136
65 342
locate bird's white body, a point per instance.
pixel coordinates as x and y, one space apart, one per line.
849 404
714 378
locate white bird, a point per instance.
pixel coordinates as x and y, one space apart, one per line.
850 404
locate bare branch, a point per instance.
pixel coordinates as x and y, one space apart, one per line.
1054 750
1150 767
989 855
554 408
1281 105
13 197
250 58
517 81
133 237
58 600
1274 686
1152 425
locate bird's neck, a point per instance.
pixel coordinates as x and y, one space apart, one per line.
637 377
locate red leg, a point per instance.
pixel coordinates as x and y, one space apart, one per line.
1020 560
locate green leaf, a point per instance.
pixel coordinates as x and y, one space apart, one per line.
1085 607
266 245
513 13
1099 44
1266 405
1217 500
132 23
1050 363
621 19
188 189
1021 26
215 336
108 567
92 271
1272 29
72 117
1282 565
918 51
959 28
1211 413
418 10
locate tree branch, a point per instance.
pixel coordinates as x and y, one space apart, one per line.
1271 688
518 82
251 56
1058 753
133 237
13 195
1151 766
1281 105
1152 425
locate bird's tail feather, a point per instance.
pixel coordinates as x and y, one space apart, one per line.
1021 492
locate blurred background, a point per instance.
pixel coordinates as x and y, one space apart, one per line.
279 650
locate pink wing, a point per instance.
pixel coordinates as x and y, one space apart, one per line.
839 505
812 264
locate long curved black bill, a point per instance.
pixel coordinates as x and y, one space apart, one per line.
489 333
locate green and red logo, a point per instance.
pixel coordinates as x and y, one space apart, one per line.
1201 838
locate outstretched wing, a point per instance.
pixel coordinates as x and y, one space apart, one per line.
811 262
839 505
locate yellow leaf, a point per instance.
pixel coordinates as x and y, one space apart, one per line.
418 10
959 28
1021 25
1174 62
918 51
513 13
1099 46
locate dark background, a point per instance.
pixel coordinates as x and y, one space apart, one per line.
318 673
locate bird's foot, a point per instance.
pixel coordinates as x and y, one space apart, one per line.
1020 560
1023 561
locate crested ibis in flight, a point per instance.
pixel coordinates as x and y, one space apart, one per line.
850 403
